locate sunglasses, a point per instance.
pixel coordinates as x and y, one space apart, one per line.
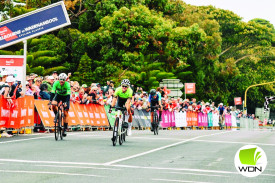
39 81
125 86
61 79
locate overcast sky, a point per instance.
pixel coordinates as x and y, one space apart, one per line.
247 9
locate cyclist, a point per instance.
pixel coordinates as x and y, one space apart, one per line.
62 89
123 96
154 100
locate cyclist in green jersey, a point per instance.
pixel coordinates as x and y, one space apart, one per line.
123 96
61 91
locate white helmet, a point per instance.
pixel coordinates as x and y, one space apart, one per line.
125 82
10 79
62 77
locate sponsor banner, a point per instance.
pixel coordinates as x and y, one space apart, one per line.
215 119
18 114
228 120
190 88
13 65
238 101
111 116
33 24
210 119
136 119
180 119
79 114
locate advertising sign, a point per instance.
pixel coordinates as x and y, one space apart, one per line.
13 65
33 24
238 101
190 88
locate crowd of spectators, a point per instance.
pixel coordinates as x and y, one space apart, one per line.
40 88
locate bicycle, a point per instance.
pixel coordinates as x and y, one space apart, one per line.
119 132
59 121
155 124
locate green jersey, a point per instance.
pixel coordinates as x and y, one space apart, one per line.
61 90
126 95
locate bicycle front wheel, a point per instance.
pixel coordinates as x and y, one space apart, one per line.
115 131
60 124
156 120
56 127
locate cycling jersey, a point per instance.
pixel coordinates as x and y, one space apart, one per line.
63 90
123 97
126 95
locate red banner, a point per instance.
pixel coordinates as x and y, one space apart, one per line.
11 62
238 101
190 88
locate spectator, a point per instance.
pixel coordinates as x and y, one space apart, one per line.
36 85
55 75
93 95
49 81
29 91
44 92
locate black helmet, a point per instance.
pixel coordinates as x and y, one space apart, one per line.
153 92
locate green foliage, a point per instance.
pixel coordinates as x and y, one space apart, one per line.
150 40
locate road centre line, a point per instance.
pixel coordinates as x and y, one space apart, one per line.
52 173
161 148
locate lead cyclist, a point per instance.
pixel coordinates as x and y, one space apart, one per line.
61 91
123 96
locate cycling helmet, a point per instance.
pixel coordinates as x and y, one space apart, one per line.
62 77
125 82
153 92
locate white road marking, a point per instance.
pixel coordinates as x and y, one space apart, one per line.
169 180
228 142
52 173
50 162
215 162
160 148
80 167
210 175
128 166
48 136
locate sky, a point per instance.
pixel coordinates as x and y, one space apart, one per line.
247 9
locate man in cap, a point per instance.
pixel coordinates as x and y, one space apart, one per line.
49 81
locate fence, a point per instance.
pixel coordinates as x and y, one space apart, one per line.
27 112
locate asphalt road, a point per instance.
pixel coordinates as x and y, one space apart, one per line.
172 156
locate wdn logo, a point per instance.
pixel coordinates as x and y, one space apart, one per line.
250 161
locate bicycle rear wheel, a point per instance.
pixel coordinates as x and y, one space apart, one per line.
56 127
115 131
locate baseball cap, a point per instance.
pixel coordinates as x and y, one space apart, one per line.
50 77
10 79
84 86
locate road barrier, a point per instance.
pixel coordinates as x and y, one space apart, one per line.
18 114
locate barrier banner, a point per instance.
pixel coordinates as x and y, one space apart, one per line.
111 116
172 117
136 119
180 119
142 119
5 113
15 117
28 105
73 119
165 123
189 118
215 119
194 118
45 114
147 116
234 120
228 120
200 124
210 119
